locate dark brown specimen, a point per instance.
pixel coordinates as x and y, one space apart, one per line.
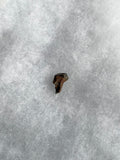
59 79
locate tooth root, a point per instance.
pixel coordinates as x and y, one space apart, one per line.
59 79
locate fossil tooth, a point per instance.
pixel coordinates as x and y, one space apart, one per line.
59 79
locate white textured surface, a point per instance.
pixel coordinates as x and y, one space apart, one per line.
39 39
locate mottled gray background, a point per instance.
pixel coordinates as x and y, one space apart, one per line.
39 38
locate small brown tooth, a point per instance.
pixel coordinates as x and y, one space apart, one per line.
58 80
